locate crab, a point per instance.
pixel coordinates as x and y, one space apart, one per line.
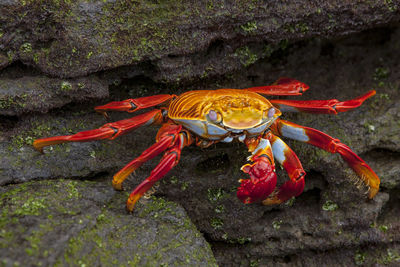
206 117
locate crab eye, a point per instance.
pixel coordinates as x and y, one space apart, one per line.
214 116
271 113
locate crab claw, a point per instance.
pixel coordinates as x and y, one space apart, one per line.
261 184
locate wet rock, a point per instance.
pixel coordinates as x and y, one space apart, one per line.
70 222
40 93
179 40
21 162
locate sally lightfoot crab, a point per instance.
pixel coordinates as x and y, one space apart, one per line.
206 117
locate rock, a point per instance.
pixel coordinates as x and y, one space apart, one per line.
22 163
180 41
40 94
71 222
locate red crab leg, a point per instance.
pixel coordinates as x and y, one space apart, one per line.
168 161
132 105
332 106
165 138
262 172
147 155
328 143
288 159
107 131
283 86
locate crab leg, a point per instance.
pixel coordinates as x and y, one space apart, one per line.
169 160
331 106
262 174
132 105
328 143
165 139
288 159
107 131
283 86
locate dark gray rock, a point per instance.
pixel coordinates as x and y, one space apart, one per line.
70 223
179 40
40 93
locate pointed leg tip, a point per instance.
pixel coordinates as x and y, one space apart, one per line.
372 192
37 147
271 201
130 207
130 203
117 186
102 112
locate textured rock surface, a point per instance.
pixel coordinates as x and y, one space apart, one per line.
39 94
49 50
85 225
175 40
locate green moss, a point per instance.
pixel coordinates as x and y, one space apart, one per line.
216 223
156 207
329 205
277 224
34 240
219 209
24 201
73 192
26 138
299 27
26 48
359 258
302 27
174 179
89 55
7 102
383 228
254 263
10 56
184 185
216 194
290 202
242 240
249 27
369 127
389 258
137 25
66 86
6 238
36 58
246 56
392 7
32 206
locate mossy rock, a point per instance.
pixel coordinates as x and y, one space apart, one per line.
71 222
82 37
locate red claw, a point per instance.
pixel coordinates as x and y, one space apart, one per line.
261 184
288 190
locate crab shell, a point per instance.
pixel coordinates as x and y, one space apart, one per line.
224 114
